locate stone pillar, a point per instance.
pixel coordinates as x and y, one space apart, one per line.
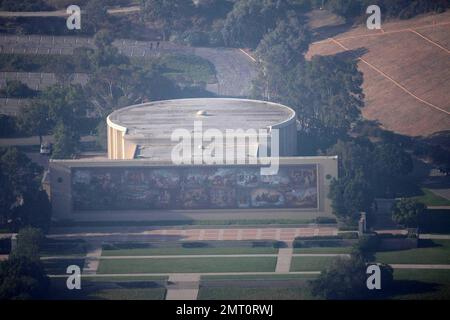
13 242
362 224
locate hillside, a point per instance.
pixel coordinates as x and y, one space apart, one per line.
406 68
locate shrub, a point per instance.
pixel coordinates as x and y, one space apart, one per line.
325 220
194 245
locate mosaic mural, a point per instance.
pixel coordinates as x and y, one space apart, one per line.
193 188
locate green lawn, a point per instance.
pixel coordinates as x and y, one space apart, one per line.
437 253
129 294
59 266
110 288
124 278
190 68
260 277
337 250
266 293
188 251
422 284
430 199
310 263
187 265
54 247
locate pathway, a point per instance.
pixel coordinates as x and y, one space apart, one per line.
199 234
183 286
284 260
92 260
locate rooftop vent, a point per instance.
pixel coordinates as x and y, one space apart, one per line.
202 113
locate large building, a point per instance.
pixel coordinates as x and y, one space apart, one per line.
145 130
140 181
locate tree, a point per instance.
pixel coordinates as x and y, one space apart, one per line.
22 278
280 50
407 212
64 71
35 211
250 20
285 45
169 14
35 119
22 201
96 16
117 86
29 242
8 125
390 163
17 89
67 141
349 196
346 279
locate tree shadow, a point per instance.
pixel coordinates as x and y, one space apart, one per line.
428 243
407 287
352 54
330 31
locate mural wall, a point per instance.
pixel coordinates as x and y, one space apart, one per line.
193 188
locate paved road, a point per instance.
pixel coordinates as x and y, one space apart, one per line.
235 70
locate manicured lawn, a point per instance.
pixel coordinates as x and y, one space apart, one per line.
310 263
187 251
266 293
148 288
431 199
60 266
130 294
124 278
54 247
187 265
422 284
437 253
189 67
337 250
261 277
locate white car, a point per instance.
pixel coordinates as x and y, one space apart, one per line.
46 148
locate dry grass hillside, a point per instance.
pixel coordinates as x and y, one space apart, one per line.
406 68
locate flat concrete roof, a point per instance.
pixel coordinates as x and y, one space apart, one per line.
152 124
